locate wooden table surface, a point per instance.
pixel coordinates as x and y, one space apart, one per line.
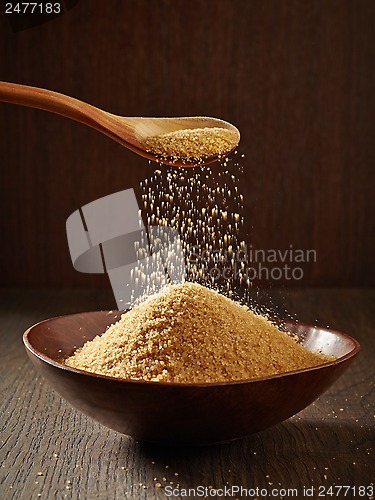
49 450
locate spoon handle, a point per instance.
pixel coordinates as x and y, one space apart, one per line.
53 102
120 129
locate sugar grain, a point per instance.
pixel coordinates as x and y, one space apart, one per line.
189 333
194 143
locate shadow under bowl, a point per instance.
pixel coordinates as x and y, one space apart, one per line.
175 413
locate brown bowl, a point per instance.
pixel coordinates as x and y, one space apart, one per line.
193 414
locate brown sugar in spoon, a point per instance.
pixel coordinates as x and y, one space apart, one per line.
185 141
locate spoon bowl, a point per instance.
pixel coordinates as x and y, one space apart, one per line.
176 413
130 132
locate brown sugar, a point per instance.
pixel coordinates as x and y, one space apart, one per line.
189 333
192 143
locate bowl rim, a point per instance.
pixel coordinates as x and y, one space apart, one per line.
46 359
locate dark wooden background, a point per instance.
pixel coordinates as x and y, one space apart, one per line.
297 78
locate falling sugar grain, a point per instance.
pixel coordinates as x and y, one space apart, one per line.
204 207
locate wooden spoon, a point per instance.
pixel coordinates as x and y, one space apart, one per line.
131 132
